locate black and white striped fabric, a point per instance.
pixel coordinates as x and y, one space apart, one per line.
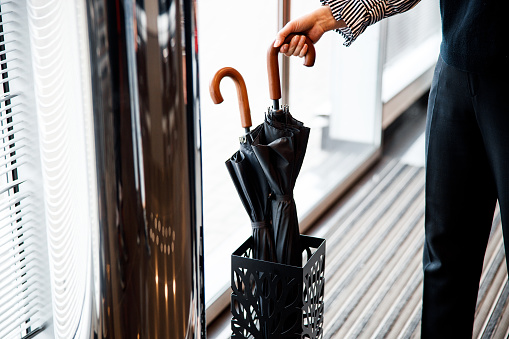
359 14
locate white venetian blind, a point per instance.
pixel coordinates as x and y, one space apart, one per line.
48 207
24 287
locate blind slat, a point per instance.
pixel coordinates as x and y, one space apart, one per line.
4 33
9 144
9 50
9 115
11 266
18 198
8 70
11 124
12 325
6 60
29 267
27 329
10 133
24 287
11 212
7 160
5 42
8 97
18 144
11 234
12 217
17 231
6 22
10 185
10 168
24 268
4 12
14 252
8 79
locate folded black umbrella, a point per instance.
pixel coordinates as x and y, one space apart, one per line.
266 166
246 173
280 147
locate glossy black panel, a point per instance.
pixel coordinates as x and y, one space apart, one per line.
144 80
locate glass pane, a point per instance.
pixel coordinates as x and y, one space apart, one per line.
235 34
413 44
339 99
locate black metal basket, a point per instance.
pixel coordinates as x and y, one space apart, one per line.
271 300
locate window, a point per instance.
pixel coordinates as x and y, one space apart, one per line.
225 32
336 150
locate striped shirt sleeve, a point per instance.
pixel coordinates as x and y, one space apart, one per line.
359 14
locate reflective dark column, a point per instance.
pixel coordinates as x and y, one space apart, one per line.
144 82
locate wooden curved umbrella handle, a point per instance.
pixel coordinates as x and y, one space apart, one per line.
215 92
273 64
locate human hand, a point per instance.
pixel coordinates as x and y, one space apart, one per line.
313 25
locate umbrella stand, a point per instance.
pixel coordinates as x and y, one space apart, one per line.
274 301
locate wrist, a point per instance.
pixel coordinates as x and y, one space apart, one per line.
327 20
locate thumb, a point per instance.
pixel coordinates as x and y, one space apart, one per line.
284 32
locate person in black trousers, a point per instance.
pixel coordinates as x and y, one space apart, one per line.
467 143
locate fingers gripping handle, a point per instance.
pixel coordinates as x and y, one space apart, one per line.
215 92
273 65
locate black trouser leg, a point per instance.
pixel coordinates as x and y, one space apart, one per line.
491 103
460 201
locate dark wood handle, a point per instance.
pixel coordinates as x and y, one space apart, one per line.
273 64
215 92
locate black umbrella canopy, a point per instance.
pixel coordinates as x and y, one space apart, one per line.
246 173
283 120
254 191
280 149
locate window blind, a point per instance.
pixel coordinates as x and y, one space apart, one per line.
48 206
23 259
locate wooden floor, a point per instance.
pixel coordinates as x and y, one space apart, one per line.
373 264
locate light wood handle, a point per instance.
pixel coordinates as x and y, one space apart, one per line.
215 92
